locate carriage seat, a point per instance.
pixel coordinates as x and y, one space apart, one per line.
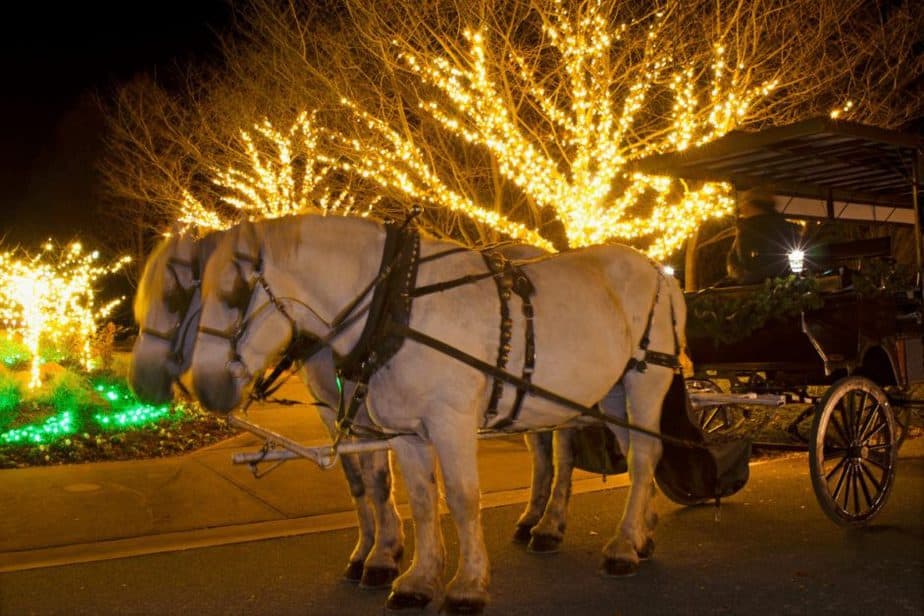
843 259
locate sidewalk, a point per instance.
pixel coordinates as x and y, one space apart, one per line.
85 512
80 513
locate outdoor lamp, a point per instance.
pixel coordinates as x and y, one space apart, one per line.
796 260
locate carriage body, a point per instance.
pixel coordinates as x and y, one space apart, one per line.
878 337
853 358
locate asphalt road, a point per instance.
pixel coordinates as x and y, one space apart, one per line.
771 551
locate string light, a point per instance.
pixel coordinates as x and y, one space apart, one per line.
593 134
842 110
576 167
286 173
51 299
118 410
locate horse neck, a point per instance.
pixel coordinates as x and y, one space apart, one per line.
326 264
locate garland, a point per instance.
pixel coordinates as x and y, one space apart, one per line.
725 318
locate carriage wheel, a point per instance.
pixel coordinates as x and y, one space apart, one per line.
853 450
717 420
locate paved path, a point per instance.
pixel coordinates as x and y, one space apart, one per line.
772 552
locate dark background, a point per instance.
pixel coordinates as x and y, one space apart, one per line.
57 61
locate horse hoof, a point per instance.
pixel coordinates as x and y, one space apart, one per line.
375 578
353 572
618 567
464 606
647 550
522 534
406 601
544 544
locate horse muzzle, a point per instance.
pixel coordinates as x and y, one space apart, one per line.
218 391
151 381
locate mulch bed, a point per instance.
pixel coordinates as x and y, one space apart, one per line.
166 438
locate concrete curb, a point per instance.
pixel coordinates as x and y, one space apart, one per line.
242 533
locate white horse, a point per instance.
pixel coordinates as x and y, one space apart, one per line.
167 309
593 307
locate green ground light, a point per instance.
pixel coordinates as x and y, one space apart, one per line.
122 411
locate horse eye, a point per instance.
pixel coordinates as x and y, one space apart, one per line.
234 290
176 301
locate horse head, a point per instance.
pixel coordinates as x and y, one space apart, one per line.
229 280
167 308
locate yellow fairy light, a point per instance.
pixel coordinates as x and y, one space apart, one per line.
844 109
285 173
571 170
51 301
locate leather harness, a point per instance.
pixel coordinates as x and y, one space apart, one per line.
387 327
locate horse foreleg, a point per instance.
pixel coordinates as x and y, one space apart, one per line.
539 445
422 581
457 449
364 514
381 563
548 534
634 541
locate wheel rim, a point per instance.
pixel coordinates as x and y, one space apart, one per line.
854 453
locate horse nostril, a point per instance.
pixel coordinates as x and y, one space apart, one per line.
237 370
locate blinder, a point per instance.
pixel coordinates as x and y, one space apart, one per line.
178 300
240 298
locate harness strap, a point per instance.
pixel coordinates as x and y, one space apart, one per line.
400 329
391 300
438 287
495 263
654 357
510 278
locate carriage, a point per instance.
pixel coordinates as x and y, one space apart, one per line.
851 357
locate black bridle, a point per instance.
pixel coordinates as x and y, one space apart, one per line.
176 335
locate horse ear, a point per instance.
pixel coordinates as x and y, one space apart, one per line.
248 242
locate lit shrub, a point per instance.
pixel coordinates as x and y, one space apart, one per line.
65 391
10 398
13 353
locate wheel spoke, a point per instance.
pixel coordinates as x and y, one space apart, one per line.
836 468
707 417
850 403
840 484
848 474
855 480
869 475
877 463
861 480
845 440
882 424
873 415
859 413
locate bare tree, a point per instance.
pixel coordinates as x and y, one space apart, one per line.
517 118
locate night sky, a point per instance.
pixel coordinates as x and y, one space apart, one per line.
55 60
